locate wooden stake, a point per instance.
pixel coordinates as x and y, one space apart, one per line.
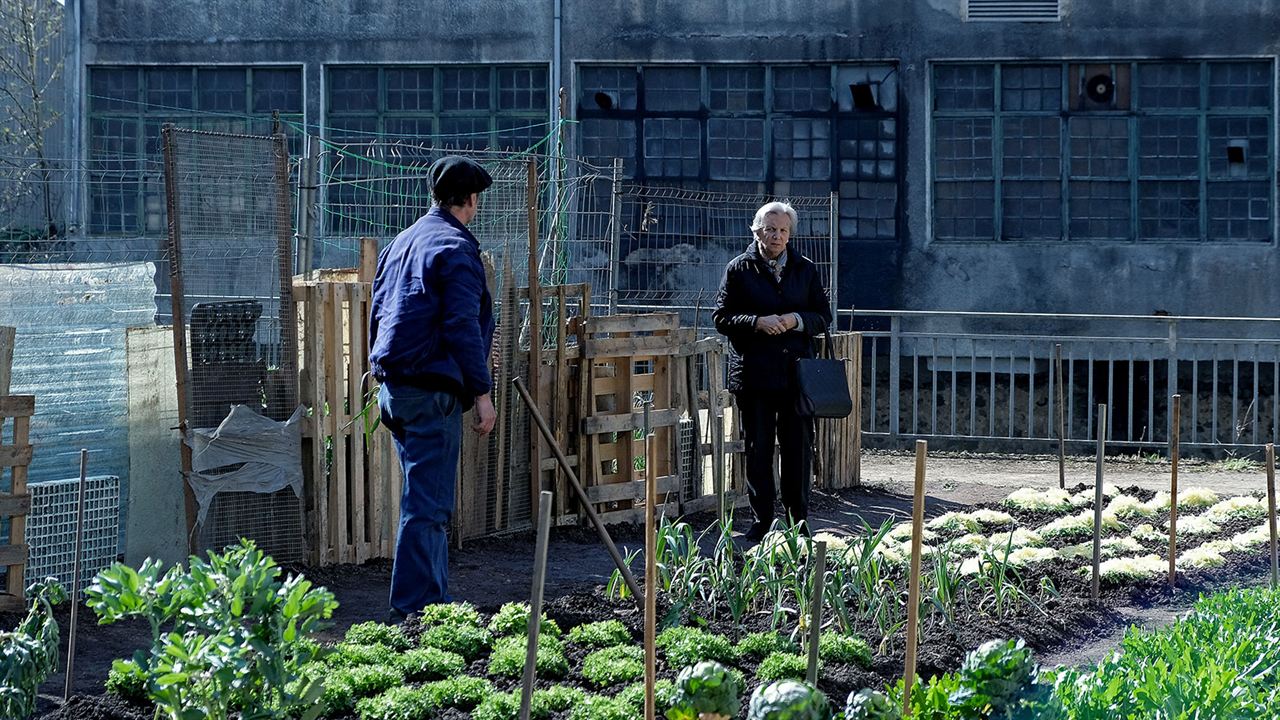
857 409
1271 512
913 593
535 602
650 573
1097 504
1062 418
1176 409
815 608
75 577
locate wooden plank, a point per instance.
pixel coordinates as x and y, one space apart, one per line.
856 446
368 259
356 363
11 505
728 446
635 515
551 463
11 603
338 537
633 490
313 320
559 405
13 456
17 406
15 557
7 335
647 322
629 422
629 346
18 523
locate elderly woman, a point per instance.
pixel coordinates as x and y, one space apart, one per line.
770 305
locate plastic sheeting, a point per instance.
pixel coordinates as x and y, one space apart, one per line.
252 453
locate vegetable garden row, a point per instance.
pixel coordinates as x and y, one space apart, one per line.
232 637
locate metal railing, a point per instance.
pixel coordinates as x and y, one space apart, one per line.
996 377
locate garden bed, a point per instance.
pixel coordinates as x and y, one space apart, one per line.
1039 596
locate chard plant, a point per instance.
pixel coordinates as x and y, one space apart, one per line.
227 635
29 653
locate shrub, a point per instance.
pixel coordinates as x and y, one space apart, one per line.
343 687
611 666
429 663
506 706
351 655
788 700
706 689
458 613
844 649
759 644
461 691
513 619
466 640
870 705
682 646
225 633
127 681
508 657
606 633
783 666
664 692
376 633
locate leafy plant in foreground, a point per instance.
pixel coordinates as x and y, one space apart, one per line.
508 657
376 633
127 681
759 644
603 634
788 700
683 646
781 666
513 619
870 705
709 691
613 665
844 649
227 634
30 652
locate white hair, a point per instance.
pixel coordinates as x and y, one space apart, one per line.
772 208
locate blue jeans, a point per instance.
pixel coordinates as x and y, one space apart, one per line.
427 428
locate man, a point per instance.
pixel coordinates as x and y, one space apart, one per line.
430 335
770 305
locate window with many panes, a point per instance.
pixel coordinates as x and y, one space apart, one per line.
1125 151
127 106
772 129
387 122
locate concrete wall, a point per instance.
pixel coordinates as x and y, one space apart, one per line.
1209 278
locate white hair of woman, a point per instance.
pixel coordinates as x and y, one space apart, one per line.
772 208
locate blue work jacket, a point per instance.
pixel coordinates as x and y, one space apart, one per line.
431 321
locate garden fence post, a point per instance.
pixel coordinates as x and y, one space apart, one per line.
1174 432
1271 512
815 608
650 569
1097 504
913 594
615 234
535 601
895 369
75 578
1062 416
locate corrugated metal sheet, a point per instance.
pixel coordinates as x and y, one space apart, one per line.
1013 10
70 353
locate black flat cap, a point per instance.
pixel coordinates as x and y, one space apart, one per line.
453 176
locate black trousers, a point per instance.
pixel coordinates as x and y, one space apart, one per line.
767 416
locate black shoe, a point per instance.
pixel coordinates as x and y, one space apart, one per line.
757 531
395 617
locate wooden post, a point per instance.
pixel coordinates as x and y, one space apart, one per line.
650 574
715 381
7 335
1175 431
75 577
815 608
913 593
535 602
535 329
1097 504
1271 512
857 409
368 259
1062 417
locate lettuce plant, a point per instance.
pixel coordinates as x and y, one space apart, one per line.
869 704
606 633
788 700
709 691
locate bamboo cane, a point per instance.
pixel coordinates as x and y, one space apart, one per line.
913 593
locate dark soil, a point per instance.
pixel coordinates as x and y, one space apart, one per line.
493 571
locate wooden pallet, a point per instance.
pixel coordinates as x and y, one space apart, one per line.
837 463
625 356
353 477
16 504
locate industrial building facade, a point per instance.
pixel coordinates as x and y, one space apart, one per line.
1093 156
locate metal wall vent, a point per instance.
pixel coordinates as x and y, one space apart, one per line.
1013 10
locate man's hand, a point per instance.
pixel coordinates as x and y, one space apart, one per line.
486 416
772 324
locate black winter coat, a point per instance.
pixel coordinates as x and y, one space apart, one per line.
748 290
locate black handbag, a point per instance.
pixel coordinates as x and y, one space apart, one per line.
822 387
